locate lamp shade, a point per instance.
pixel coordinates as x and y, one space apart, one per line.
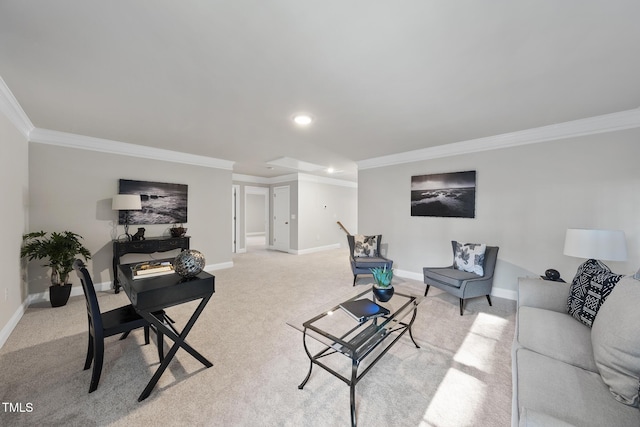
606 245
126 202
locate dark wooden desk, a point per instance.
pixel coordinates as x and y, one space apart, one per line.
148 246
155 293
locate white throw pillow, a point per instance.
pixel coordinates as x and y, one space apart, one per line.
365 246
615 337
469 257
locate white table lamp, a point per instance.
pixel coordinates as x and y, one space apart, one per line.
607 245
126 202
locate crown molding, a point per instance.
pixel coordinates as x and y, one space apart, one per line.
293 177
70 140
11 108
250 179
613 122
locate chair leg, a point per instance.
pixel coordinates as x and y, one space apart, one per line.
97 363
461 306
87 363
489 299
160 337
426 290
354 279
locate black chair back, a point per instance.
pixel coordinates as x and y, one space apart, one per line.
93 309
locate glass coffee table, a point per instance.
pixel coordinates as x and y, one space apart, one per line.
364 342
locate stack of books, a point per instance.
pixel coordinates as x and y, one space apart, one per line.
151 269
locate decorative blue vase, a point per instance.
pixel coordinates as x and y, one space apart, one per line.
382 294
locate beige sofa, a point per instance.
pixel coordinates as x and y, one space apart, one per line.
567 374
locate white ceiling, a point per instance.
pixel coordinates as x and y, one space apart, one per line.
223 78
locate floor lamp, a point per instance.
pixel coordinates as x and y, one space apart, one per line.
126 203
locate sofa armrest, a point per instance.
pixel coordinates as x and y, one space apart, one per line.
543 294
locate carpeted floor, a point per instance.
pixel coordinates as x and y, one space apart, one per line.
461 375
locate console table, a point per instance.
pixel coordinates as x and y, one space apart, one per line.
148 246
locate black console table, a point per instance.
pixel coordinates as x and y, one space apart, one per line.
148 246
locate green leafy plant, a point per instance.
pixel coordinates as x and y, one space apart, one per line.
60 249
382 276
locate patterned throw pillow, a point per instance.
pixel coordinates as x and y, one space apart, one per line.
591 286
365 246
469 257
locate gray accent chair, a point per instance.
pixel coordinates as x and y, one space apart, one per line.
363 265
461 283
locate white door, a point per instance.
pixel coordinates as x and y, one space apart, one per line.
281 218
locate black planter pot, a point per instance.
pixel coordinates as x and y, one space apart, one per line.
59 295
383 294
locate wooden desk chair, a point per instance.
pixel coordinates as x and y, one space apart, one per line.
121 320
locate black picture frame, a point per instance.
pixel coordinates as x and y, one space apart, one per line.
444 195
162 203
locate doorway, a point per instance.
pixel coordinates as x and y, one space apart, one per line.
281 218
256 217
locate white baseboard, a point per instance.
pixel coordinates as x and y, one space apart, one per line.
219 266
316 249
13 322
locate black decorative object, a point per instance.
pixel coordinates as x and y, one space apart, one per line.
552 274
189 263
59 294
162 203
382 294
444 195
139 235
177 231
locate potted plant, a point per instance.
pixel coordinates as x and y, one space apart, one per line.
382 288
61 250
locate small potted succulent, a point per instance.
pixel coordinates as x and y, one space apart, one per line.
61 249
382 289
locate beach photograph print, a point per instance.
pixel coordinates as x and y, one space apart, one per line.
444 195
161 203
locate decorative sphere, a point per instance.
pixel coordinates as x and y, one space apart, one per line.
552 274
188 263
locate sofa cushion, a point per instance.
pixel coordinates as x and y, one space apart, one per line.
568 393
591 285
469 257
365 246
616 341
531 418
556 335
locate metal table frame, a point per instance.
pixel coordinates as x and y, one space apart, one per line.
357 348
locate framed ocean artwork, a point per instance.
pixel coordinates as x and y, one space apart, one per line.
444 195
162 203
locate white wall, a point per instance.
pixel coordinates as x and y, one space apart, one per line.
13 193
526 198
320 205
71 189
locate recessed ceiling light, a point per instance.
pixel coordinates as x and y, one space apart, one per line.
302 119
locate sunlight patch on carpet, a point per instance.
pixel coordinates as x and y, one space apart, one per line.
458 387
479 345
